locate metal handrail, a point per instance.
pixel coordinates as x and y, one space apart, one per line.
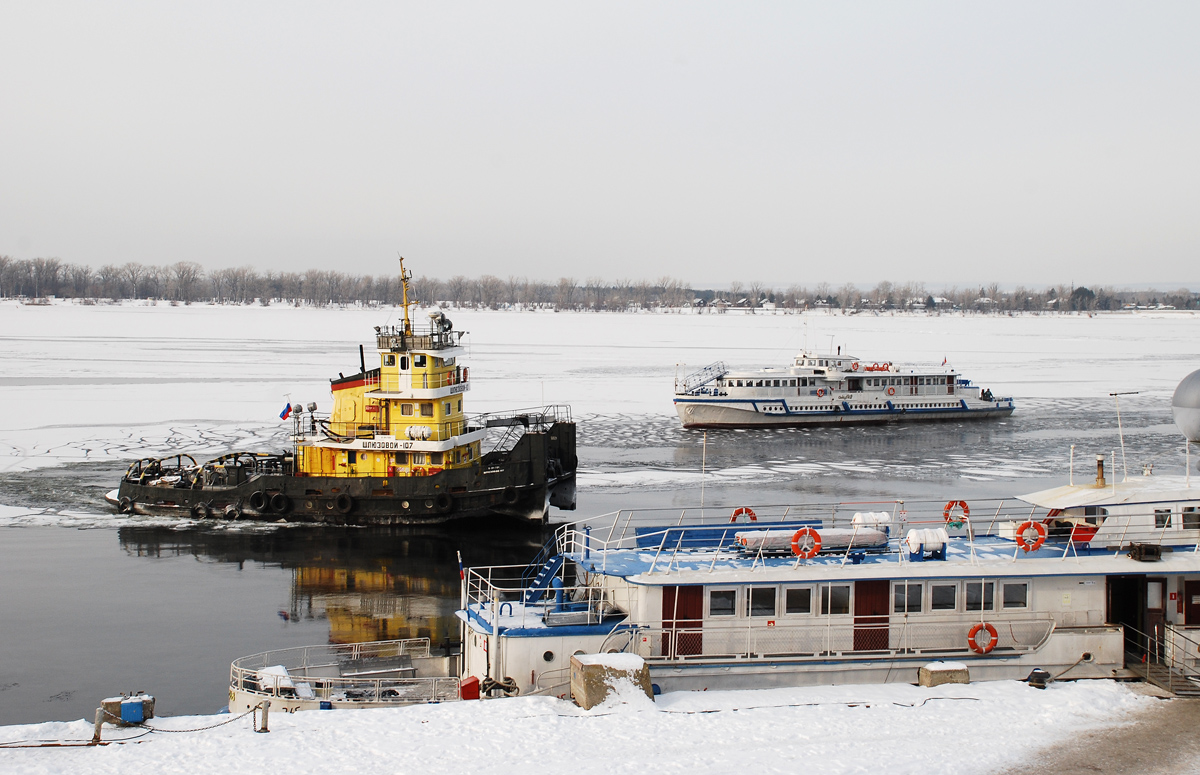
820 642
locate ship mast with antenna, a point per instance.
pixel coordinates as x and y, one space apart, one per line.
405 276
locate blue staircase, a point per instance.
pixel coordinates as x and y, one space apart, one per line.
536 588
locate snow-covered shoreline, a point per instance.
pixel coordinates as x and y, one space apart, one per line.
894 728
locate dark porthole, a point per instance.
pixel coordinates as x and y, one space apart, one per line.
548 656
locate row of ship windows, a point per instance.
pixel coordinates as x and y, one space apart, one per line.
1191 518
426 408
456 455
800 382
908 597
418 361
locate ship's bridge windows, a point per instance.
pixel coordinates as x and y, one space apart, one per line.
419 361
1191 518
404 363
1016 594
1162 517
980 595
427 409
389 359
907 597
449 361
835 599
446 407
943 597
792 383
797 601
400 458
435 458
761 601
406 410
722 602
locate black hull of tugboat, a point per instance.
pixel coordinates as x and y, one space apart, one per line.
538 472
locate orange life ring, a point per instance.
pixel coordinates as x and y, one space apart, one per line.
810 551
874 367
974 644
854 366
1038 528
948 513
749 512
891 391
820 392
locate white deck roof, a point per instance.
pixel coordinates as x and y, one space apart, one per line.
1141 489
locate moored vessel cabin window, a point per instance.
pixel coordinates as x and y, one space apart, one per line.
435 458
722 602
1016 594
797 601
1162 517
419 361
761 601
835 599
1191 518
445 407
1095 514
427 409
406 410
980 595
943 597
907 597
400 458
389 360
403 363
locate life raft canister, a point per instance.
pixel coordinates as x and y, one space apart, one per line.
813 546
973 638
953 520
1031 546
747 511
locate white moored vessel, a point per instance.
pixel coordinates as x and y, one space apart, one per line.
830 389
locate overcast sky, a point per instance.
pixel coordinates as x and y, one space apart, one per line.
784 142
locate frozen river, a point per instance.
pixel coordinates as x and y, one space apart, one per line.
138 603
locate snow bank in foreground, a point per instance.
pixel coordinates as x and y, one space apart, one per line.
895 728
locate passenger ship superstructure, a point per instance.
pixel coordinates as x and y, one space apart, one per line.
1085 581
830 389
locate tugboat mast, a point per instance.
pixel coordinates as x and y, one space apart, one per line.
405 276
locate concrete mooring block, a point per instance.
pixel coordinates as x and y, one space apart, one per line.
593 676
938 673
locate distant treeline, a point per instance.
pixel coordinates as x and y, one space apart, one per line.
187 282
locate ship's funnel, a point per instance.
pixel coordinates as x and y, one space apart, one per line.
1186 406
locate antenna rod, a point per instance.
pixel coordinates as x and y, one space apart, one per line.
1120 430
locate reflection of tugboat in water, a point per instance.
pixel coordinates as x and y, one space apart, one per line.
396 449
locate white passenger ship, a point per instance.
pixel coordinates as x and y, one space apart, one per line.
1082 581
830 389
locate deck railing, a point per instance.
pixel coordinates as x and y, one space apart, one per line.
347 673
824 641
673 534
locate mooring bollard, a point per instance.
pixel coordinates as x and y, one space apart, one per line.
266 705
99 726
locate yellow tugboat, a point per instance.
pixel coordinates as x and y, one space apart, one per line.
396 449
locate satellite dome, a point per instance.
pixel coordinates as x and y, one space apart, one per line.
1185 404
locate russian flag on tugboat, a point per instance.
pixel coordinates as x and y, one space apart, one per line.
287 412
462 574
943 360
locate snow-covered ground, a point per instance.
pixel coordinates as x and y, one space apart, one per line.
976 728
